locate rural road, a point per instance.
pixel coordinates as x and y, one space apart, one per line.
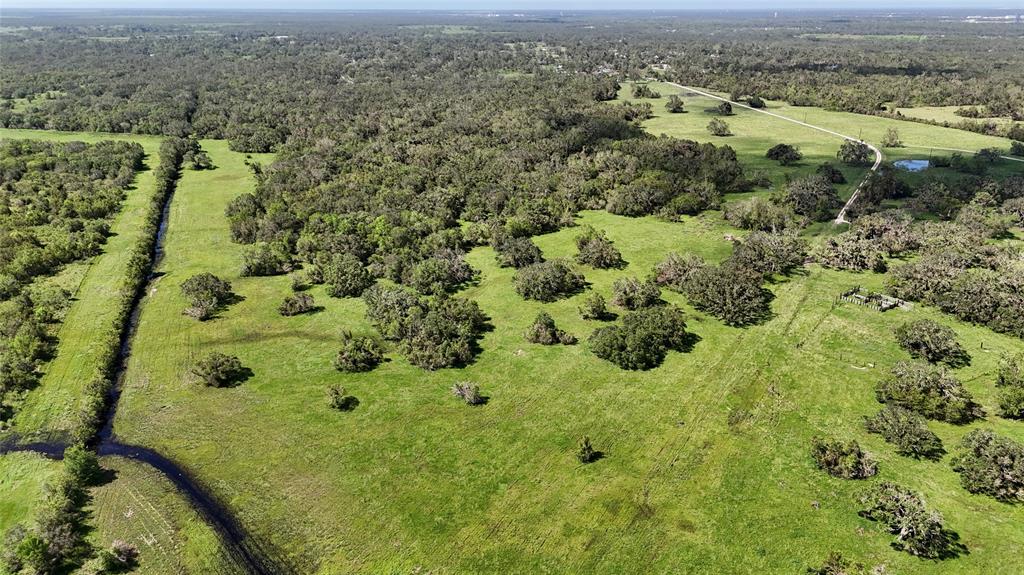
841 217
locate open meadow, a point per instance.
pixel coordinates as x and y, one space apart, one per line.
705 468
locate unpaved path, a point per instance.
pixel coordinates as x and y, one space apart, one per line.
841 217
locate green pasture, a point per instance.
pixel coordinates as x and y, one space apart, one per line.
706 467
142 507
95 285
754 133
22 476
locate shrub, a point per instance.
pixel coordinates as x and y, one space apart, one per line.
358 353
1011 402
296 304
991 464
929 391
644 91
443 272
694 199
676 270
848 252
755 102
81 465
762 214
544 332
831 173
854 153
931 341
836 564
1017 148
633 294
219 370
730 293
1011 371
784 154
814 197
845 460
907 430
892 139
266 259
585 452
345 276
719 127
206 293
547 281
389 309
338 399
918 530
122 556
674 104
594 307
597 251
769 254
516 252
643 339
468 392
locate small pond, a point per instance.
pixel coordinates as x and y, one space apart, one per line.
911 165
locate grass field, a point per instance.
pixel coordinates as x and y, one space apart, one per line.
754 133
22 476
143 508
707 466
95 285
49 408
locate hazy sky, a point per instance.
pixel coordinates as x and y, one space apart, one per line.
1013 5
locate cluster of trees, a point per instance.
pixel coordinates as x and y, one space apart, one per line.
963 274
56 200
843 460
67 80
544 331
928 390
991 464
931 341
1010 382
733 291
220 370
918 529
432 332
643 338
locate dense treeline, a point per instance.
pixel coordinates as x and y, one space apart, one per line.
56 201
404 193
239 82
